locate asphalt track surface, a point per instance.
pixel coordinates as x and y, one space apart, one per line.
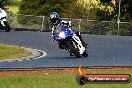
104 50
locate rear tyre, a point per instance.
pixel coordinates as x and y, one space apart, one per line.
85 54
7 26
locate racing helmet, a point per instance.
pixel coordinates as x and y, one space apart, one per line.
54 18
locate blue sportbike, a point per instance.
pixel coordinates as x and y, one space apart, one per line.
69 40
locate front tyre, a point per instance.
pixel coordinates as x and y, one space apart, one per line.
7 26
73 49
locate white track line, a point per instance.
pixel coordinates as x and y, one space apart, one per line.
43 54
36 54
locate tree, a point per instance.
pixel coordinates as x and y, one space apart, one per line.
105 1
2 3
43 7
126 10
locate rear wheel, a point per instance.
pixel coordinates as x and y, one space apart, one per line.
72 47
7 26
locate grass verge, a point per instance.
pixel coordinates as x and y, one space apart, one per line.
65 78
12 52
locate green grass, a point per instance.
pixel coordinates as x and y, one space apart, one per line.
12 52
58 81
52 81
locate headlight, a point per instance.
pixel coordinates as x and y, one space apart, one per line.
62 35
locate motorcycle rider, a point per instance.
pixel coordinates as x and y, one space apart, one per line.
55 21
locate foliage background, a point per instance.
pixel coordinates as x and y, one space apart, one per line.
82 9
87 10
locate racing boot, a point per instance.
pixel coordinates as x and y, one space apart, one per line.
84 44
71 54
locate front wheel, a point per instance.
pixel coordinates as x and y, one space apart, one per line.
72 48
7 26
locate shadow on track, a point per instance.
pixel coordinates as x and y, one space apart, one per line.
61 57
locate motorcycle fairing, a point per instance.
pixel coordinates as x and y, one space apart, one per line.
2 17
67 31
79 44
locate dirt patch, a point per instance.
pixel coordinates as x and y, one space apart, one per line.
28 72
45 71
